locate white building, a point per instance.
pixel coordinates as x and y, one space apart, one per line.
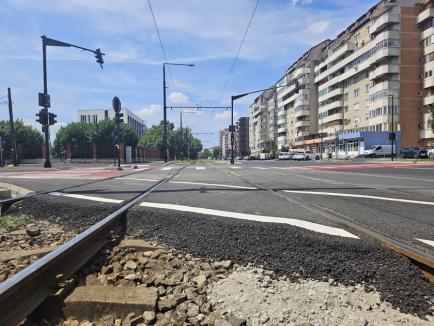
97 115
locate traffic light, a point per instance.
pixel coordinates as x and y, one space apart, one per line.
42 117
118 116
52 119
98 57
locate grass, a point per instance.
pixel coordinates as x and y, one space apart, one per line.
13 222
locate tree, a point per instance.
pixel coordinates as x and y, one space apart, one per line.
216 152
82 136
431 119
28 139
207 153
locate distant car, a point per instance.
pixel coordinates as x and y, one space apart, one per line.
304 156
380 150
413 152
284 156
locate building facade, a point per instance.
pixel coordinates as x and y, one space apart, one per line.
95 116
375 77
225 142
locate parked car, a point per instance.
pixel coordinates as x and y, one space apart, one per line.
380 150
431 153
305 155
413 152
284 156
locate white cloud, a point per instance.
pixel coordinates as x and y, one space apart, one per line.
304 2
178 98
319 26
225 115
149 111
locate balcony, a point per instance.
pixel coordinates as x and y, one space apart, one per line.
424 15
384 70
333 105
303 112
427 100
426 33
384 53
386 85
301 71
339 52
333 93
427 83
281 139
383 21
302 123
281 121
333 117
301 102
281 129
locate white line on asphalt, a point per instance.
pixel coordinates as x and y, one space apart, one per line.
374 175
338 194
212 184
259 168
85 197
166 168
428 242
235 167
200 168
258 218
137 179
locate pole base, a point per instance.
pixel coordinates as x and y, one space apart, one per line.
47 164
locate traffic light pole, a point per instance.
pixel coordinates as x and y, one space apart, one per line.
164 115
12 130
46 127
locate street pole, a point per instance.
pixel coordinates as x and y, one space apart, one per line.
182 147
164 115
393 128
232 130
12 130
45 127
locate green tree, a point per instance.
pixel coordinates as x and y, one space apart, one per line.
431 111
207 153
28 139
216 152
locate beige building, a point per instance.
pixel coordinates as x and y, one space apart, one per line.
225 142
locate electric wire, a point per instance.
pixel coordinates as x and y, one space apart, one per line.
238 51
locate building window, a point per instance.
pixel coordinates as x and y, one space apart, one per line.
82 118
357 38
356 92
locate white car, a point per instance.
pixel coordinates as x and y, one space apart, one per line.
304 156
431 153
284 156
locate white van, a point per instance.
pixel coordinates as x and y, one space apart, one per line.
380 150
305 155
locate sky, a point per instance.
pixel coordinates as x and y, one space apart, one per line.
205 33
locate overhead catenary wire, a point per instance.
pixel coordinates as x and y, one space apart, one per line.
238 51
161 42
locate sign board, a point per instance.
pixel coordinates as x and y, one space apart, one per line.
392 136
44 100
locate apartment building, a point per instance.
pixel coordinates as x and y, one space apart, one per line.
369 76
425 21
225 142
97 115
295 107
262 129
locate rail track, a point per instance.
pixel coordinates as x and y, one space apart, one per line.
26 290
422 259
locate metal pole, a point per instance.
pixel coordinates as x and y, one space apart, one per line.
12 130
165 115
1 152
232 130
47 163
181 147
393 128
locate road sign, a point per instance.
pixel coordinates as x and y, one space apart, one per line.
44 100
392 136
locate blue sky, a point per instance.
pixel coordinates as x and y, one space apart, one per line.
206 33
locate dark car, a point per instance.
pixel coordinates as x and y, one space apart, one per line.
413 152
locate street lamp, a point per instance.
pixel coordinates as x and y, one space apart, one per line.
236 97
164 105
45 118
392 136
180 122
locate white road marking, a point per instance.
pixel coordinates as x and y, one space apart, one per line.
338 194
137 179
166 168
258 218
212 184
235 167
86 197
200 168
259 168
428 242
374 175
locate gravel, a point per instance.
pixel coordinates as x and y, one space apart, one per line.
290 251
251 294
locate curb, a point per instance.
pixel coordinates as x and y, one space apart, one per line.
15 190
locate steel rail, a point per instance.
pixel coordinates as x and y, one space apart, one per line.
26 290
424 260
5 204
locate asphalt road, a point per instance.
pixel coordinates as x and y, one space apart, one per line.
277 214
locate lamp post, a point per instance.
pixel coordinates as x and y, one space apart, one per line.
164 105
45 118
392 135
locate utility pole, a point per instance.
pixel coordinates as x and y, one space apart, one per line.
12 130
